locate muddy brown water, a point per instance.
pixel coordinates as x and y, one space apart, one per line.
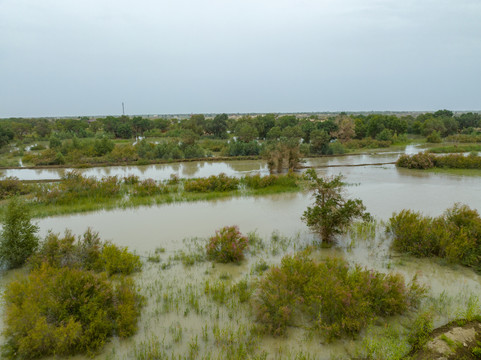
383 189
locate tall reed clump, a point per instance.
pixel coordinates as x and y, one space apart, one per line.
227 245
336 299
455 235
69 302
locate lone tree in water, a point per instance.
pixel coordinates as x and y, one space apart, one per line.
17 239
331 213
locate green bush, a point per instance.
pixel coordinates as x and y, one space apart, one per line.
455 235
416 161
75 186
227 245
10 186
220 183
428 161
67 303
420 331
17 239
64 311
336 299
86 252
434 137
260 182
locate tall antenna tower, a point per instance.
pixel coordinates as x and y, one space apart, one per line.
123 108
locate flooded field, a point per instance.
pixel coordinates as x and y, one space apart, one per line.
182 320
201 168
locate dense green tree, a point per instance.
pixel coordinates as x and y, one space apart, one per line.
18 238
265 123
331 213
319 142
274 133
140 125
286 120
218 126
6 135
246 132
469 120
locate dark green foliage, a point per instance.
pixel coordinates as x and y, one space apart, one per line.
434 137
331 212
319 142
455 236
239 148
336 299
6 135
220 182
18 240
227 245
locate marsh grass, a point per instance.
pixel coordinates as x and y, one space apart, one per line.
204 312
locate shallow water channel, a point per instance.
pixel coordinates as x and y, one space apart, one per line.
174 324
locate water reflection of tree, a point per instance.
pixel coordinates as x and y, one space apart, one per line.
190 169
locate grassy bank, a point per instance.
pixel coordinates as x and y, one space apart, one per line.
77 194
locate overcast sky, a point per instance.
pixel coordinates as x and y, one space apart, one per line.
86 57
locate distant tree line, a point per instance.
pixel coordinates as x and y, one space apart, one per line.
198 136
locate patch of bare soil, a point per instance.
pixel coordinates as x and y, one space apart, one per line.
453 341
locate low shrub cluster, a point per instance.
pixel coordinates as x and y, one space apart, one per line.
239 148
220 183
416 161
456 161
428 161
74 186
10 186
455 235
260 182
87 252
336 299
227 245
68 303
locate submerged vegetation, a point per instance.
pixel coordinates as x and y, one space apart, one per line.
337 299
